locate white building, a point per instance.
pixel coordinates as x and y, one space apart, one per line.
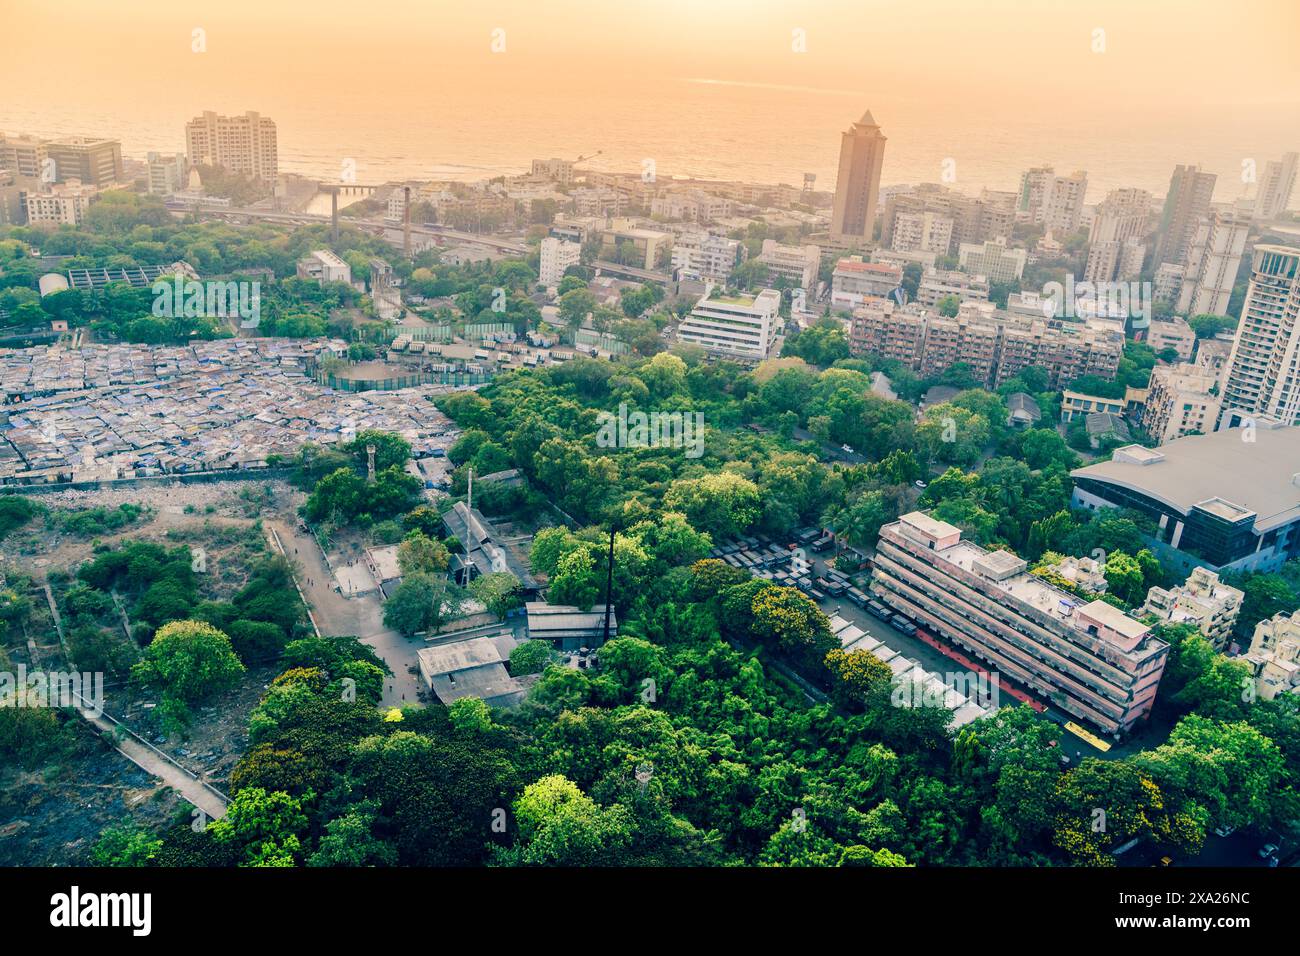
1179 402
64 204
559 170
168 173
1056 202
855 281
921 232
1263 373
1172 333
798 264
704 256
556 255
937 284
1275 186
242 144
993 259
1275 656
737 326
1203 600
1212 262
324 266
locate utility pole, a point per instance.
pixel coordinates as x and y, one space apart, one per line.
609 585
469 498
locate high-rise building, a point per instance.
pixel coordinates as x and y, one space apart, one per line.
1115 249
1263 372
1186 204
92 162
1275 186
993 259
1053 201
23 156
705 256
555 256
241 144
1212 262
921 231
857 185
1088 658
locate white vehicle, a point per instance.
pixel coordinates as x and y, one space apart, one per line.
847 449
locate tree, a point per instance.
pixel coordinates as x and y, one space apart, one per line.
559 825
723 504
530 657
498 591
188 661
266 827
420 554
423 602
349 840
126 845
856 676
1124 578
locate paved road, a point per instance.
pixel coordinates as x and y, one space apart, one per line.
361 616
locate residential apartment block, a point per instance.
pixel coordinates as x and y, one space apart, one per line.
1203 600
855 281
795 264
62 205
554 257
1275 656
1186 204
1180 401
994 259
701 255
241 144
937 284
1212 262
1263 372
1089 659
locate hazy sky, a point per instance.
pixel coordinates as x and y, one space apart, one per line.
402 81
1034 54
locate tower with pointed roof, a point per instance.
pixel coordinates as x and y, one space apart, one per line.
857 186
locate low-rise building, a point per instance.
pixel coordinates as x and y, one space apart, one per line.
569 628
735 326
994 259
937 284
1203 600
324 266
1172 333
1074 404
60 205
700 255
855 281
1275 656
472 667
796 264
1089 659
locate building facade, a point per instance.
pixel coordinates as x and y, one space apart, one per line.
741 326
241 144
857 183
1263 371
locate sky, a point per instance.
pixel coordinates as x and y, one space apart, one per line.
1064 70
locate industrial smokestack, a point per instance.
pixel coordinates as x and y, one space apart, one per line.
406 221
334 215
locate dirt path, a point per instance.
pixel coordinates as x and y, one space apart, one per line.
361 616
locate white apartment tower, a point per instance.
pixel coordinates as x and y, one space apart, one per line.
1275 186
555 256
1263 370
1212 262
242 144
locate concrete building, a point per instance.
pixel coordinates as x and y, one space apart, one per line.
1180 401
241 144
857 183
168 173
1203 600
1115 247
1089 659
692 205
471 667
25 156
92 162
555 256
738 326
569 628
1167 283
937 284
1275 187
1186 204
921 231
1077 404
61 205
646 246
1263 373
1217 500
881 327
993 259
1275 656
1212 262
1053 201
701 255
324 266
557 170
855 281
795 264
1172 333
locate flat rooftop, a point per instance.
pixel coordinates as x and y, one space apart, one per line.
1256 476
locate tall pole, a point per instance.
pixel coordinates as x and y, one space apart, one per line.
469 500
609 585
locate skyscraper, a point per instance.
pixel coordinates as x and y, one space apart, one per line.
1115 249
1186 204
857 186
1212 262
1275 186
1263 371
1054 201
242 144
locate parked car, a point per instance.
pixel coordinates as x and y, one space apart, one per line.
1224 831
1267 850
